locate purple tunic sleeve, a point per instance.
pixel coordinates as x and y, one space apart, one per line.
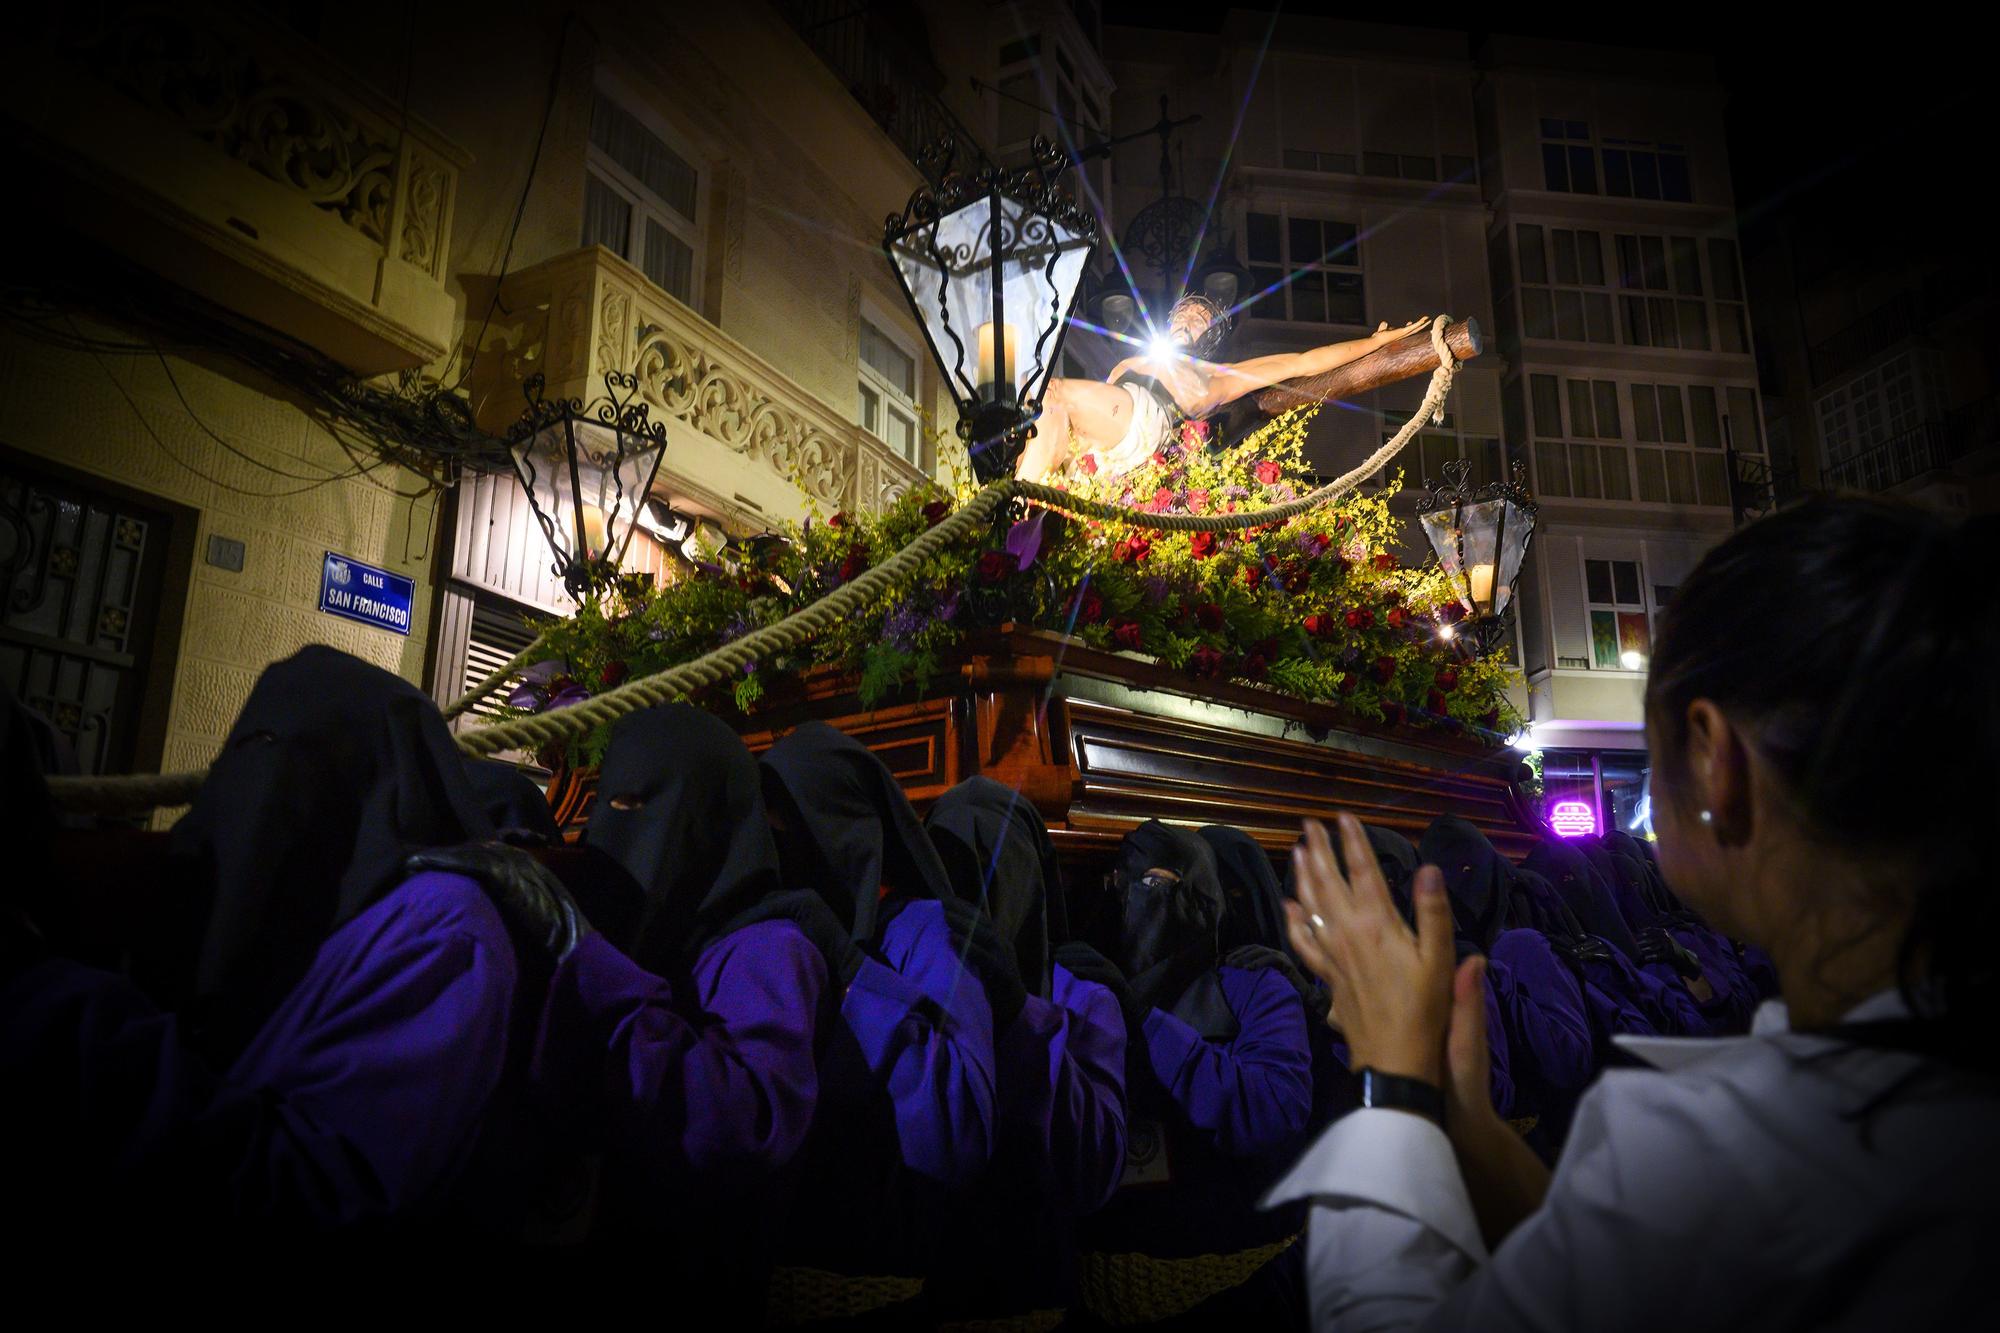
1500 1076
1253 1093
1660 996
924 1030
1734 999
358 1099
721 1083
1062 1090
1544 1009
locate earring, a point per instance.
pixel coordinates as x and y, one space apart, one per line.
1708 816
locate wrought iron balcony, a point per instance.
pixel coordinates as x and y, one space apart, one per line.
234 159
739 430
1893 462
886 66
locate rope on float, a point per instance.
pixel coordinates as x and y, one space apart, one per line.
129 793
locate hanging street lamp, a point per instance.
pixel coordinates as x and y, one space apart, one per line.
588 470
1480 535
991 262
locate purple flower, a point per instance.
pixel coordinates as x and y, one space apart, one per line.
735 629
1157 589
750 667
567 695
903 626
947 607
656 634
1236 492
1024 539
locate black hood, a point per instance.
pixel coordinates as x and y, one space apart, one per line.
1253 910
1164 930
1580 890
680 808
997 853
1475 877
847 830
514 806
333 774
1534 904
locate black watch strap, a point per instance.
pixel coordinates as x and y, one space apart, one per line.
1399 1093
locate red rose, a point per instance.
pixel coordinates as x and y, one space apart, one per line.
1252 575
1088 466
935 512
1162 498
839 520
1209 616
1315 545
1448 679
1435 703
1396 617
1254 666
856 562
1089 607
1207 663
1202 544
1318 626
1136 547
1385 560
995 566
1195 500
613 673
1269 472
1358 618
1385 669
1296 573
1349 683
1127 634
1160 457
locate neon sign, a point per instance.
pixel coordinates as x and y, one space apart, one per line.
1573 819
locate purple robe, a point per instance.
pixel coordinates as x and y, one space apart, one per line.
1499 1053
717 1083
356 1103
1061 1148
906 1107
1548 1032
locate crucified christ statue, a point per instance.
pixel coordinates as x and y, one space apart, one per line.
1121 424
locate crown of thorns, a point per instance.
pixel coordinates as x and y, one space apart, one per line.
1214 327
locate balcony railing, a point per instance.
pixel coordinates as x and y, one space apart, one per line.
740 432
237 161
1893 462
888 69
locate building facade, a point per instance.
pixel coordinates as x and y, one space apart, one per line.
1576 201
424 200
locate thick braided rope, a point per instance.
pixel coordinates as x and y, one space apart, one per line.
499 676
141 791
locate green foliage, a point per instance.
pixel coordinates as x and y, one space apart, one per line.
1315 608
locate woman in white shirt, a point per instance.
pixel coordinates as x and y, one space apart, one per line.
1823 723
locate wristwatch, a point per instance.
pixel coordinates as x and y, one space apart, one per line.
1400 1093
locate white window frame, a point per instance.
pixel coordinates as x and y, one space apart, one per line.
1084 98
1283 212
893 400
1643 606
645 204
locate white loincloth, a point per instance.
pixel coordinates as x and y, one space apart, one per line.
1149 429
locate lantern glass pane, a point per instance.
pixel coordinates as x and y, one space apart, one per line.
614 472
1519 526
948 273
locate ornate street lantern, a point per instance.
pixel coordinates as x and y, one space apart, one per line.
990 263
1480 535
587 470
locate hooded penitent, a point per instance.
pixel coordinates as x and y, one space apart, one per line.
334 772
997 853
1475 878
514 806
846 830
680 807
1162 932
1253 910
1577 885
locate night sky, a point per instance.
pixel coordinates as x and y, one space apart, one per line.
1862 132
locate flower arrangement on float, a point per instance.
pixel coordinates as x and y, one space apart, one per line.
1317 608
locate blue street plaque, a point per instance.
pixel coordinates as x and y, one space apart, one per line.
364 593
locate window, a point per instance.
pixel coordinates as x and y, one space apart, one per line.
1620 636
1661 280
1032 88
888 391
1322 260
1673 414
1569 163
641 198
1732 320
1868 420
1636 169
1569 416
1423 459
1564 292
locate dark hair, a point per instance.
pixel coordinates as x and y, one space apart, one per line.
1853 639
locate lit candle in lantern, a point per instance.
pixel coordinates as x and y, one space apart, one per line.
1481 579
987 360
593 531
